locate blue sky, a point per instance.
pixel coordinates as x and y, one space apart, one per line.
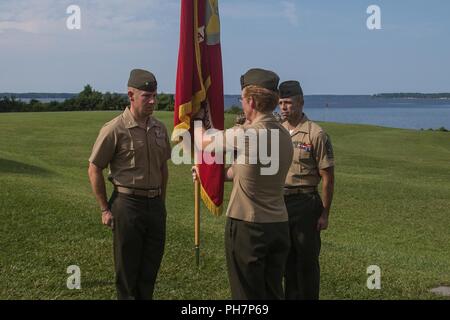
324 44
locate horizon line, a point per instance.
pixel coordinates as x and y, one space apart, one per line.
233 94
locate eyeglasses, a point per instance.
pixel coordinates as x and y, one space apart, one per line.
240 99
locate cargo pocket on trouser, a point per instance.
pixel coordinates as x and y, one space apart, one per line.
318 204
112 199
318 210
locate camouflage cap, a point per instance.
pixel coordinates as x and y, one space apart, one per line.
261 78
142 80
290 88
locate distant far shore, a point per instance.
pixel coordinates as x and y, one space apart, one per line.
62 96
38 95
413 95
91 99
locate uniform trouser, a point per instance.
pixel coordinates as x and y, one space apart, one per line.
256 255
139 238
302 277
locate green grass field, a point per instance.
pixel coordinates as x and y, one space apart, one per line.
391 209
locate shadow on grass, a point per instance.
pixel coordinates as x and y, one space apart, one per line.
98 284
10 166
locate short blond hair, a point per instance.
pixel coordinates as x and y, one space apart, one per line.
265 100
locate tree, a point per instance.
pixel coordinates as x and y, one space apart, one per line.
88 99
113 101
234 110
165 102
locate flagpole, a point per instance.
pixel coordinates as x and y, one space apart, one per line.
197 221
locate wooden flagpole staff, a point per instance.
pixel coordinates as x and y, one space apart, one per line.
197 220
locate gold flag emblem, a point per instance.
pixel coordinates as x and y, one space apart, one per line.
212 23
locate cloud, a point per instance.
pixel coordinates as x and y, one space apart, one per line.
116 17
258 10
29 16
290 12
248 10
27 26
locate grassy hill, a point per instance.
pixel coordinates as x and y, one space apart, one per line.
391 209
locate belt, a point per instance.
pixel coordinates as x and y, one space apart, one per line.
292 191
151 193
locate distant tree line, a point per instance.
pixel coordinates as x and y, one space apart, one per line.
441 129
87 100
40 95
234 110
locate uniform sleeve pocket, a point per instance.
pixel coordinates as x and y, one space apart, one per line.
161 141
127 152
296 155
304 155
126 147
306 162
